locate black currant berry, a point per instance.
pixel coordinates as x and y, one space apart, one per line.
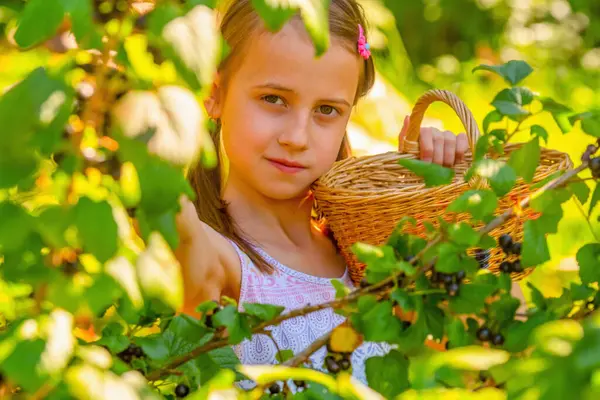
70 268
516 249
447 279
498 340
506 267
131 212
505 242
208 321
595 167
299 384
274 388
138 352
408 258
125 357
406 324
182 390
484 334
460 275
452 289
345 364
517 267
332 365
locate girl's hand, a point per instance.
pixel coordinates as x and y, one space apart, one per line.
443 148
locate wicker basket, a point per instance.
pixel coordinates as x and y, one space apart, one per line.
363 198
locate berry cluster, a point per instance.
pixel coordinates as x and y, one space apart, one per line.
451 282
485 334
130 352
510 248
336 362
182 390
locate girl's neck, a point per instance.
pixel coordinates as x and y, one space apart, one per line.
285 224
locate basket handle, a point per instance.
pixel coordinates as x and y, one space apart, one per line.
411 142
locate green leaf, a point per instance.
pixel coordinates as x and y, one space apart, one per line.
315 15
403 299
537 297
535 246
581 190
39 21
376 321
559 113
284 355
448 258
159 273
526 159
21 367
588 258
97 228
540 132
16 226
264 312
500 175
113 338
83 27
200 50
595 199
482 147
590 122
388 374
504 309
341 289
463 234
457 335
274 15
433 174
479 203
162 222
517 335
510 102
513 72
471 298
491 117
174 116
581 292
237 324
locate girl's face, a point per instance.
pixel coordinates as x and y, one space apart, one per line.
284 112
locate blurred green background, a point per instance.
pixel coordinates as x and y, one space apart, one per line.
423 44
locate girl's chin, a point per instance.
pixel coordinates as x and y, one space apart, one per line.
285 191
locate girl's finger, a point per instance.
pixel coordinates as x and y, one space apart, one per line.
426 144
403 132
449 148
462 146
438 147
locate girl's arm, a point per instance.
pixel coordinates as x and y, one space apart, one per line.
209 263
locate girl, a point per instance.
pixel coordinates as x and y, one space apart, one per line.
281 116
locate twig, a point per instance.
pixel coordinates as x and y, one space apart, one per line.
306 353
382 286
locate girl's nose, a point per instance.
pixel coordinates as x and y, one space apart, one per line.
296 133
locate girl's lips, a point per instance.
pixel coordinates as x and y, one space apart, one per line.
286 166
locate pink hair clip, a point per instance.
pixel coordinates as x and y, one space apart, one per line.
363 46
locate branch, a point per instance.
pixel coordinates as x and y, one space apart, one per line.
381 287
306 353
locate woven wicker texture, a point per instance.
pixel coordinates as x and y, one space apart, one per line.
363 198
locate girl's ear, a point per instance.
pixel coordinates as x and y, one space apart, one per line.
213 102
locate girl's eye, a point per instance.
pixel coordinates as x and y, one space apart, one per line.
327 110
271 98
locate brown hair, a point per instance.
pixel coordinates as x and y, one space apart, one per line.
238 19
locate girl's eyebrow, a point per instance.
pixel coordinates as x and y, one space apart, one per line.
281 88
